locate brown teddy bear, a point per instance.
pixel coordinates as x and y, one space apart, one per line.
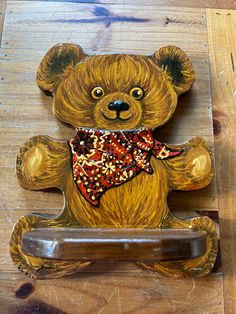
114 173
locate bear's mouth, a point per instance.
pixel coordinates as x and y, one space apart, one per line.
109 118
118 117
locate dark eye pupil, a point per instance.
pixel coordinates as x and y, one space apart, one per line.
98 92
137 93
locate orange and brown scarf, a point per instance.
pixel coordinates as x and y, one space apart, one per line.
103 159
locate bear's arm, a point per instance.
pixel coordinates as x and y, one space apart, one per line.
192 169
42 163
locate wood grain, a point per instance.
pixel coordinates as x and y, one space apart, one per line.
111 293
2 16
227 4
222 51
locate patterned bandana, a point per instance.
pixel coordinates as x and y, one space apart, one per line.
103 159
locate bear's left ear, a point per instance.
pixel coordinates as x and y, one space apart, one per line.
176 64
57 63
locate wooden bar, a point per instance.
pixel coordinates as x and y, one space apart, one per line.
114 244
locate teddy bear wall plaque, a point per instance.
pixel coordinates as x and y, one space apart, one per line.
114 175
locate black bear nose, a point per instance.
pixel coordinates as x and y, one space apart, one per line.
118 105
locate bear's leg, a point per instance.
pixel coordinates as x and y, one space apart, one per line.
192 267
38 267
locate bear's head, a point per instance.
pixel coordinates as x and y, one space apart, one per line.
114 91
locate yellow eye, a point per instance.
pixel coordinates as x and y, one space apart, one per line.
136 92
97 92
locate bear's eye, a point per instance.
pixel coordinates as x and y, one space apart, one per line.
136 92
97 92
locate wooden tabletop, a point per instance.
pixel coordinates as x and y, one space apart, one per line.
206 31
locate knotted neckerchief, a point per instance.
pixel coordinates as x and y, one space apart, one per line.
103 159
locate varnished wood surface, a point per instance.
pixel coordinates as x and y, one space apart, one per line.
222 53
93 291
114 244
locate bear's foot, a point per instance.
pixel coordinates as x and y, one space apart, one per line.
190 267
37 267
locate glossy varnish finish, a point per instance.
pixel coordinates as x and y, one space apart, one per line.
131 245
139 182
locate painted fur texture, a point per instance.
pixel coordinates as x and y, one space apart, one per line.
146 90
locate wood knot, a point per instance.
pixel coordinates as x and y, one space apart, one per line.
24 291
220 122
34 306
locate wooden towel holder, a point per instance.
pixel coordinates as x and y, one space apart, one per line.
114 174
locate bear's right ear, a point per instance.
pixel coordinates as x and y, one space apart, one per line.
57 63
177 67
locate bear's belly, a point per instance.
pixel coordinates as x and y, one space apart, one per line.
140 202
